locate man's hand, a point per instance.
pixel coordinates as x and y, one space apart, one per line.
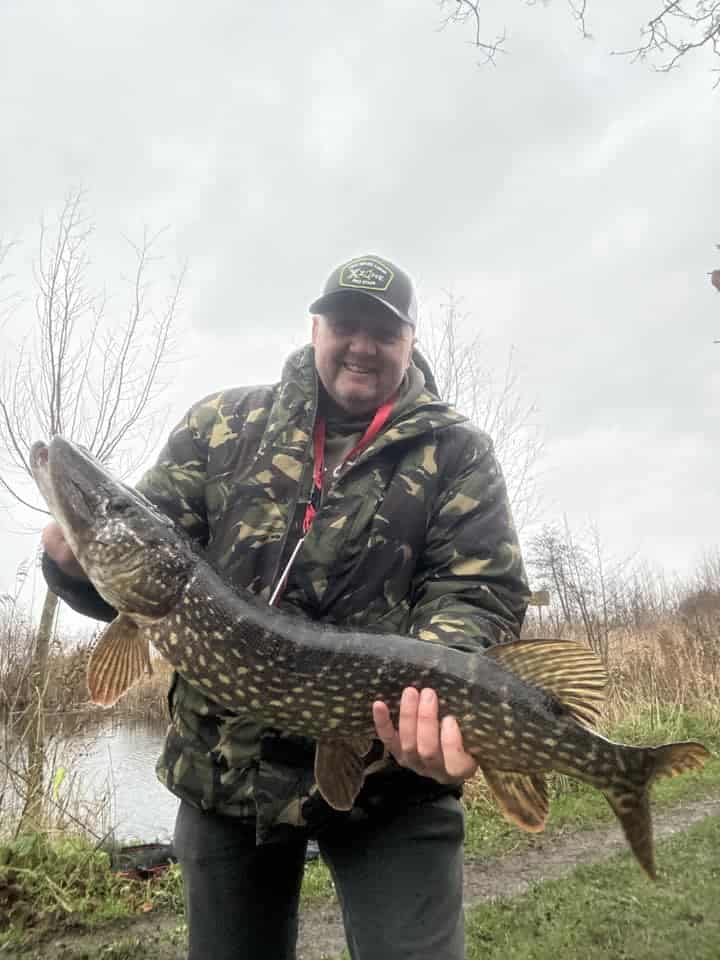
58 549
421 743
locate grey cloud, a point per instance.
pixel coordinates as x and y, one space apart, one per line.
570 198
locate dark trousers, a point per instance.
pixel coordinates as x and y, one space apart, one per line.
399 882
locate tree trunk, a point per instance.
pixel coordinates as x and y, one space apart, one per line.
35 728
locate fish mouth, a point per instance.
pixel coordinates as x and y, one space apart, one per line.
65 462
40 469
113 531
39 454
69 480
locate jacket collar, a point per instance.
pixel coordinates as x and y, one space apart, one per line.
297 398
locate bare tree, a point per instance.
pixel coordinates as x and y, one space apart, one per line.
699 608
677 28
8 300
92 378
491 399
587 588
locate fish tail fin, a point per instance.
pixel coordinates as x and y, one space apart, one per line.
672 759
630 802
632 808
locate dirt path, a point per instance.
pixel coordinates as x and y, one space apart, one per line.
321 932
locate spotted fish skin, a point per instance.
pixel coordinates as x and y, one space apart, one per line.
525 708
318 681
313 679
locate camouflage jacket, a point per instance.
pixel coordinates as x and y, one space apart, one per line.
415 537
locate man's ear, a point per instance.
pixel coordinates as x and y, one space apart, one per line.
413 344
315 328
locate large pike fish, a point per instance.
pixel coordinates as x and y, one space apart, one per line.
525 708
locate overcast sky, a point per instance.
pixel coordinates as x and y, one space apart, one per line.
569 198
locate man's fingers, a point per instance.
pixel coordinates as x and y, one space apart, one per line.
385 729
458 763
428 727
384 726
421 742
408 721
52 538
59 550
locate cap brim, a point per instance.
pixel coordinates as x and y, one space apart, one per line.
324 303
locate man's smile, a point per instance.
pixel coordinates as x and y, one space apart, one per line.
357 368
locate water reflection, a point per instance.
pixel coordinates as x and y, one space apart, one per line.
119 761
110 768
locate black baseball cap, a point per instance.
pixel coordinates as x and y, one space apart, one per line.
372 277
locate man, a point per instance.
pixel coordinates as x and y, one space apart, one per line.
401 516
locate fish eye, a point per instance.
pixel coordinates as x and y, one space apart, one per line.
118 505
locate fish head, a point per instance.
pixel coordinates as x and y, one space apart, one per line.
134 555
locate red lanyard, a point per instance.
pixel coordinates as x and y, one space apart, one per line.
376 424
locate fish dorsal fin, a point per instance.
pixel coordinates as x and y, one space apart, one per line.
119 659
340 770
571 672
522 798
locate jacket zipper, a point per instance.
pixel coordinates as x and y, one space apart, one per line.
278 578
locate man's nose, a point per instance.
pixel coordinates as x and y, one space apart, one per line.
361 342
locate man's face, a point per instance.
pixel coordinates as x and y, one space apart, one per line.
361 353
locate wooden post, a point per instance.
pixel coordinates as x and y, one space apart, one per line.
539 599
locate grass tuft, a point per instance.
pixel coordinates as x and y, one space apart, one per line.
612 910
51 884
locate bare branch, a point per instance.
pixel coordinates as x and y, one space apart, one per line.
16 496
144 387
8 301
490 398
76 373
578 9
11 432
678 28
465 11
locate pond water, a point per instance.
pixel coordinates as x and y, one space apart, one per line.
119 761
109 770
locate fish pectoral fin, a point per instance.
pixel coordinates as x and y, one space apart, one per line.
340 770
571 672
521 797
120 657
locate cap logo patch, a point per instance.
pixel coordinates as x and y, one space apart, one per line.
366 274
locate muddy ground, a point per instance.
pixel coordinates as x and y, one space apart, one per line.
321 933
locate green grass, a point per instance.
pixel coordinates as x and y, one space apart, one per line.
317 885
613 911
44 882
574 806
54 884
